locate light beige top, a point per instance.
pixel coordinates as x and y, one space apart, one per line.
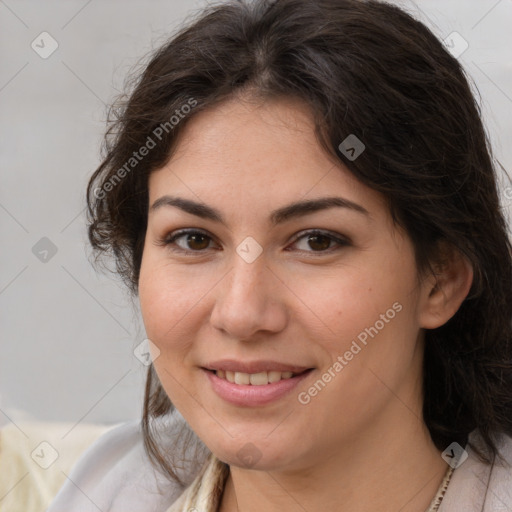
205 492
116 474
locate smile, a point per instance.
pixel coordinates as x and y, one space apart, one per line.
253 389
255 379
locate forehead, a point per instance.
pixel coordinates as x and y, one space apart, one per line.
257 155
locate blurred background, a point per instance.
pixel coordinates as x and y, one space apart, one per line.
68 334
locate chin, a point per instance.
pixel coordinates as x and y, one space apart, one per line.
248 453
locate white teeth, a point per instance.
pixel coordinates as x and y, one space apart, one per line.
242 378
258 379
255 379
274 376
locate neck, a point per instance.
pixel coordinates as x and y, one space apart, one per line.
382 469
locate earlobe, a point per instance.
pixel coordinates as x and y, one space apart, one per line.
444 291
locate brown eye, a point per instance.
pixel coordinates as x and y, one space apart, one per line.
197 241
193 241
319 241
190 241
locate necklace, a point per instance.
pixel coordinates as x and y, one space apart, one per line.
438 498
206 491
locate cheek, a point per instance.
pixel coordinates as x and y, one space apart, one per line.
169 307
175 301
168 303
368 318
348 300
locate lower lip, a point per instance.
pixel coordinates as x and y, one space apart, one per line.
249 395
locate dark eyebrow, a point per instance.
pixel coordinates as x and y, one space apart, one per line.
293 210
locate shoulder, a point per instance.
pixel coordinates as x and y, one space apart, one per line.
500 482
479 487
115 474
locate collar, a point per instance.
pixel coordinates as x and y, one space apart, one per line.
205 492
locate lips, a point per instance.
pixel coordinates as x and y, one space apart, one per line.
249 394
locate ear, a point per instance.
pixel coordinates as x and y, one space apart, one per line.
444 289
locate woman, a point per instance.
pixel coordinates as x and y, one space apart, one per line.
302 196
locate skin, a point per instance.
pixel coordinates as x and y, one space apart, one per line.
360 443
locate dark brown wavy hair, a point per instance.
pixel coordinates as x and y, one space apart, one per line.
366 68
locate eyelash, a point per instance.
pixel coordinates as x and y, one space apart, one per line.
169 240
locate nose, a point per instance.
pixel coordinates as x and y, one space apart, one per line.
248 300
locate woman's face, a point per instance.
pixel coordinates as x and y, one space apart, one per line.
254 287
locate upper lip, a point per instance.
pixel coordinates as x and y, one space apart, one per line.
254 366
